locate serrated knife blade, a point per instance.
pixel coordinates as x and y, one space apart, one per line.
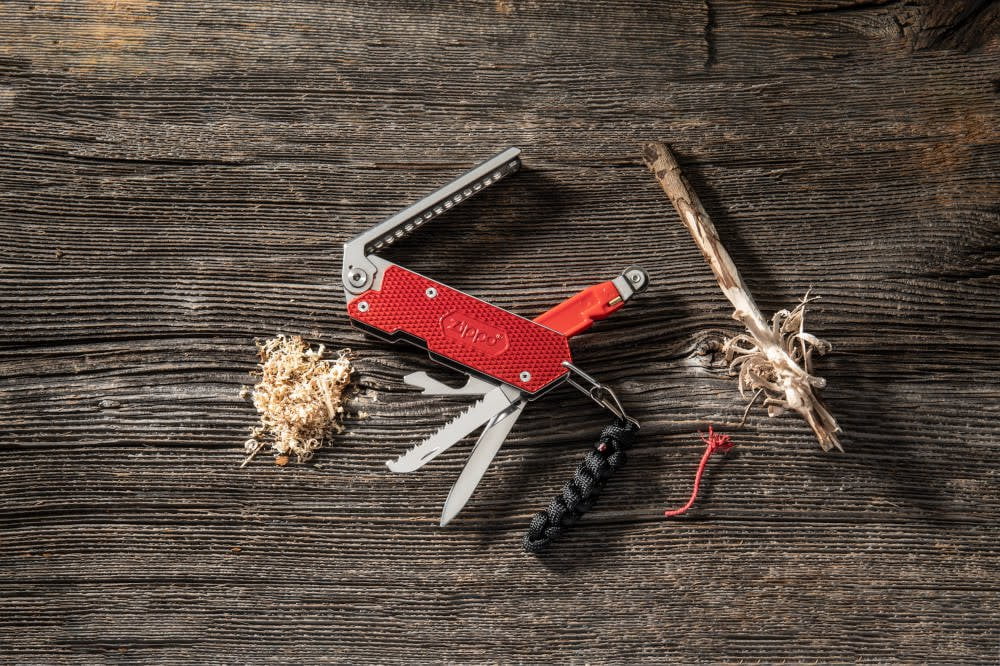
497 400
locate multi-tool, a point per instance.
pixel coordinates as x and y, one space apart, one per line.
508 360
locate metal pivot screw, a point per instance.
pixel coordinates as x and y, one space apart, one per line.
357 277
525 376
431 292
636 278
363 306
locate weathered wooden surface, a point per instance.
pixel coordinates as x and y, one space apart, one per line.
176 179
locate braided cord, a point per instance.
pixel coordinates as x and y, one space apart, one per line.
580 494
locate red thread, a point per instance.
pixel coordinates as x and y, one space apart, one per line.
714 442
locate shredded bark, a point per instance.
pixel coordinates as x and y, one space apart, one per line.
299 398
775 359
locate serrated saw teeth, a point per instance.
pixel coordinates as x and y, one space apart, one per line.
411 460
495 401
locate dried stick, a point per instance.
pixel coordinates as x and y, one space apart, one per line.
774 357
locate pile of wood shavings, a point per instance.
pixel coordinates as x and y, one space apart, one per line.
299 397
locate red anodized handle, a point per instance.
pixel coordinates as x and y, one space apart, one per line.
463 330
472 333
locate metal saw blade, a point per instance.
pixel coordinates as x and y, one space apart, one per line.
497 400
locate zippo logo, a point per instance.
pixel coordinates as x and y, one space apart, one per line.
474 333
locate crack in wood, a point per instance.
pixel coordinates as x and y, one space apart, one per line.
710 27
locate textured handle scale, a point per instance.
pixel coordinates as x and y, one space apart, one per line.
464 330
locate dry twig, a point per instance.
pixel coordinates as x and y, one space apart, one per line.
774 357
299 398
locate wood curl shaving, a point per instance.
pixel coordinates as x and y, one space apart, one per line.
782 369
299 398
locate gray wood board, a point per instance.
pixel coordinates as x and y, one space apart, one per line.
176 180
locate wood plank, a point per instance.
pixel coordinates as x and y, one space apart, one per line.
177 180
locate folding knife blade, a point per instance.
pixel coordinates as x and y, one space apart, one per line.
499 399
479 461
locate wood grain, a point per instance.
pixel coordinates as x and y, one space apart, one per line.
177 179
